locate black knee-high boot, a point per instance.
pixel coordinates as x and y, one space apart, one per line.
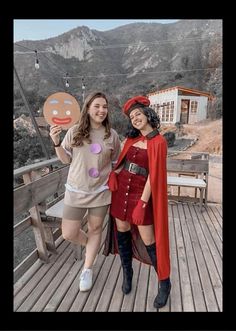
164 285
125 250
163 293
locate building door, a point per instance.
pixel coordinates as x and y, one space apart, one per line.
184 111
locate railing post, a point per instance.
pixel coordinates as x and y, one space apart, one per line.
37 225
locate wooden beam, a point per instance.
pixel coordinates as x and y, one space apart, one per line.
23 170
37 225
21 226
31 194
182 165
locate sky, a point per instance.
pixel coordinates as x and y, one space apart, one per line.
44 29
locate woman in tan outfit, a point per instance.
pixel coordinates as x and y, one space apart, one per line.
90 147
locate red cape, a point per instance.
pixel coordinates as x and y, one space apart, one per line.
157 153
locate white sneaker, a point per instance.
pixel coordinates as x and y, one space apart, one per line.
86 280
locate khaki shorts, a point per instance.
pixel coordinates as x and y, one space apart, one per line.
77 213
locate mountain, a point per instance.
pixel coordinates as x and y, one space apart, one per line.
132 59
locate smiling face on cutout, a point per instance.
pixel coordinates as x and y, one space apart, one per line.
61 109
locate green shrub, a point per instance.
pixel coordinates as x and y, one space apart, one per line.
170 137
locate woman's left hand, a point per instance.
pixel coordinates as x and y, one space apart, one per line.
112 181
139 212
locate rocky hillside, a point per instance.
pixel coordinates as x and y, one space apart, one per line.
209 136
132 59
206 135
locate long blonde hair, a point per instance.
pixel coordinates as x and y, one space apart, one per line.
83 131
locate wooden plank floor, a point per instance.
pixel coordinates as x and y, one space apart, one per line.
196 272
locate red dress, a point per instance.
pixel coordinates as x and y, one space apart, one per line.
130 189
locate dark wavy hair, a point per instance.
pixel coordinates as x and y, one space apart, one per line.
152 118
83 131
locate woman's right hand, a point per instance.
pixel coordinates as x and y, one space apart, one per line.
55 131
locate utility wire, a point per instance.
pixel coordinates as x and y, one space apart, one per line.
127 45
64 72
123 74
52 62
44 149
31 52
38 51
142 73
54 73
24 47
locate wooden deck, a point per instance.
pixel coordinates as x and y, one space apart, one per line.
196 272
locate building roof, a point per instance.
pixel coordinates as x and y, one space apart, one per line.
185 90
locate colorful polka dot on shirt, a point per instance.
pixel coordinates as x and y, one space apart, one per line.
95 148
93 172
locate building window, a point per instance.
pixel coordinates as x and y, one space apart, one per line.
163 113
171 111
167 114
194 107
156 108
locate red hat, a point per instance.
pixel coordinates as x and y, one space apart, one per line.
135 102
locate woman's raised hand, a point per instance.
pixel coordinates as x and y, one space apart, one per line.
55 131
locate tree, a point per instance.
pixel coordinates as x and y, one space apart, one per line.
27 147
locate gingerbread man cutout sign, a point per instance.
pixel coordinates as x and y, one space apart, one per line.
61 109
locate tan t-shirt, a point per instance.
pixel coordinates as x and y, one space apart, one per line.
90 168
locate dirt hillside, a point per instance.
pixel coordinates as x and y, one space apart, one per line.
209 134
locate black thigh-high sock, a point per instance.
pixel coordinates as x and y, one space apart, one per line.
151 249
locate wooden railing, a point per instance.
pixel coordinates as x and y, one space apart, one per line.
32 197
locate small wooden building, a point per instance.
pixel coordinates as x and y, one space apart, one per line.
181 104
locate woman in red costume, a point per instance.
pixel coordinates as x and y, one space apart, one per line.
139 199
